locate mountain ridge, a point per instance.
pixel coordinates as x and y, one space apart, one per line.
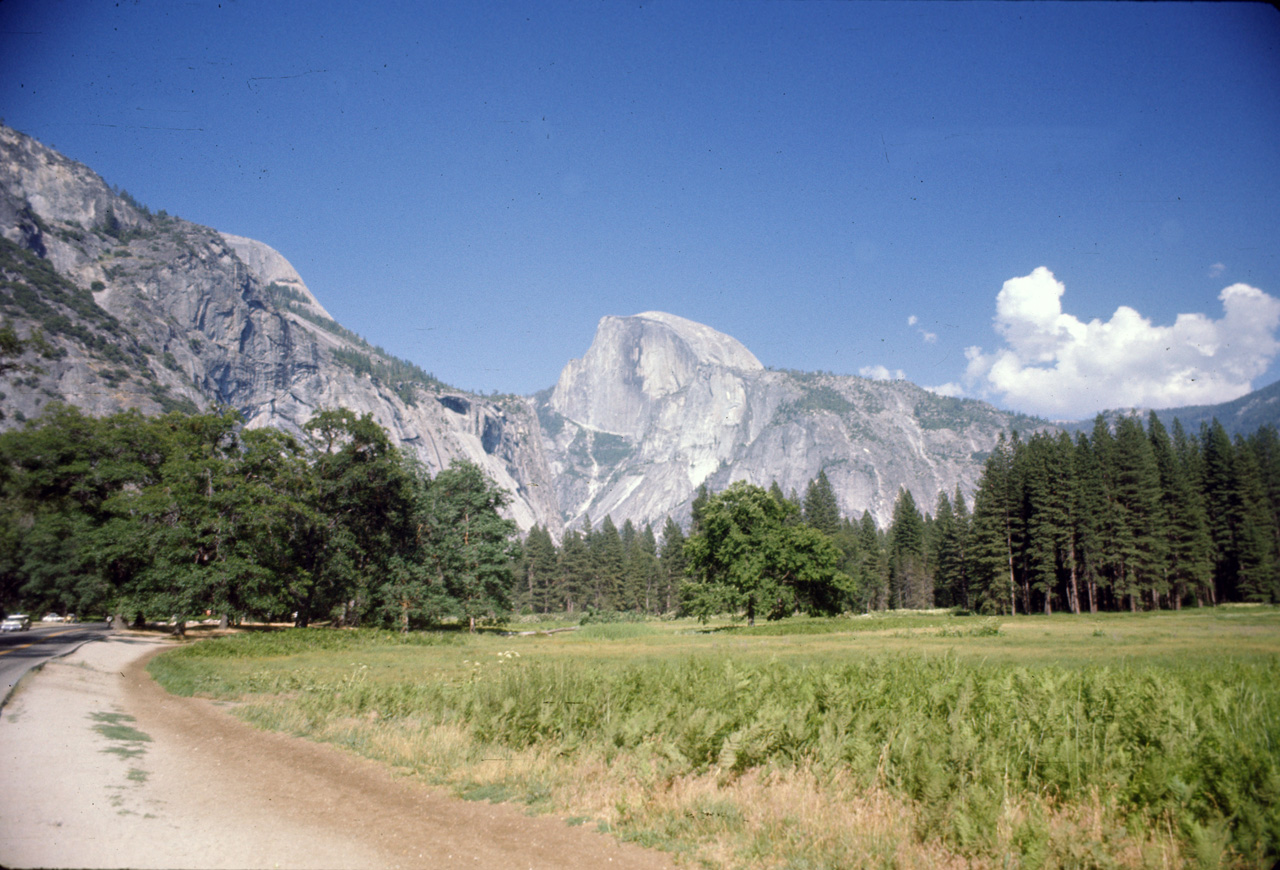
148 311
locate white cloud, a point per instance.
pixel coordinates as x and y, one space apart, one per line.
1059 366
952 389
880 373
1217 269
929 337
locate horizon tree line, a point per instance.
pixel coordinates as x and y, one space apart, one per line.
193 515
1124 517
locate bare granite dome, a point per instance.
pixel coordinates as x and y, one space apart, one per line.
708 345
271 267
634 362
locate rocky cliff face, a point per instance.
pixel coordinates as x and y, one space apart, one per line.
149 311
659 406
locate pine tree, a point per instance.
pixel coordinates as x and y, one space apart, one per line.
672 563
910 578
958 550
471 540
1218 482
574 588
995 519
1048 482
606 565
939 555
1141 532
1186 532
1106 516
1255 541
540 569
873 589
821 511
631 587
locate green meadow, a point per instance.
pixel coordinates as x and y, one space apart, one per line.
918 739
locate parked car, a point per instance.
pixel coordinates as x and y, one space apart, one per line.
16 622
51 617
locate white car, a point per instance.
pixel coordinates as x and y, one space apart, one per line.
16 622
51 617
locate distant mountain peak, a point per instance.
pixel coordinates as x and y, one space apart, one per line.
709 345
636 361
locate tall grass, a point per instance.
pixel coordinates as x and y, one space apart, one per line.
989 757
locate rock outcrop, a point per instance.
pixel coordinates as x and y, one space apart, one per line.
659 406
148 311
145 310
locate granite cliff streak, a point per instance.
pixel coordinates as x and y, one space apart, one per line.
144 310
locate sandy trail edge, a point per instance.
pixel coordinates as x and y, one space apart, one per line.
208 791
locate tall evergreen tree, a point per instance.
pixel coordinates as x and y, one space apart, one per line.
995 518
574 588
1141 533
1220 492
606 565
469 540
1254 538
672 565
1186 530
540 569
1047 484
872 589
910 577
956 550
821 511
939 553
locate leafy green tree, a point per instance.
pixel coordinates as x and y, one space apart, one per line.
363 491
748 554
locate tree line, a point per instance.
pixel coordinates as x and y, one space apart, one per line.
188 516
1123 517
1119 518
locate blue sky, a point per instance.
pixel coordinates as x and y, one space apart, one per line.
1056 207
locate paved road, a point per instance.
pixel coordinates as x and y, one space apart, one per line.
20 651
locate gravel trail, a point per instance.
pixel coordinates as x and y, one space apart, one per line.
100 767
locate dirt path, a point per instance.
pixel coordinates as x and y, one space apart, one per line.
99 767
